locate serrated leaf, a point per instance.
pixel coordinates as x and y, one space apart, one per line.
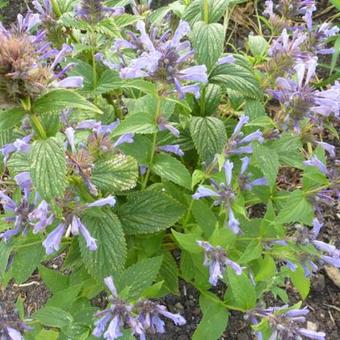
48 168
187 242
237 78
208 41
11 117
268 161
169 274
142 123
300 281
110 256
252 252
60 99
53 279
139 276
5 251
258 45
208 134
26 261
213 95
214 321
19 162
53 317
171 169
242 290
117 174
267 268
111 81
149 212
296 209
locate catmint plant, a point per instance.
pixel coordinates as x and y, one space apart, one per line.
145 150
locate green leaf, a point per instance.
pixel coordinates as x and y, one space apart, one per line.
214 321
140 149
208 41
5 251
216 9
53 317
142 123
11 117
254 109
213 95
296 209
110 80
117 174
110 256
48 168
242 290
60 99
19 162
139 276
26 261
252 252
266 269
267 161
149 212
169 274
236 77
336 53
258 45
53 279
209 136
336 3
47 334
300 281
171 169
204 217
187 242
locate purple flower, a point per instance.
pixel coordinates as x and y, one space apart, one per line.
110 200
285 322
93 11
71 82
244 179
113 318
238 143
162 58
175 149
215 258
333 254
163 124
126 138
77 227
21 145
41 217
327 147
222 193
233 223
228 59
53 239
315 162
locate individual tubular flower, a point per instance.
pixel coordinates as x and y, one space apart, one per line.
215 258
29 65
112 319
332 254
238 143
12 330
163 59
27 212
93 11
149 315
164 124
73 225
175 149
244 178
285 323
315 162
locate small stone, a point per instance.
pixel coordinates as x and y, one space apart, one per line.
179 306
334 274
312 326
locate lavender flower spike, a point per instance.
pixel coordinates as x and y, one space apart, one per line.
77 227
175 149
312 334
109 200
233 223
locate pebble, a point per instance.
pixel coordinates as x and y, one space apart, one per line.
179 306
312 326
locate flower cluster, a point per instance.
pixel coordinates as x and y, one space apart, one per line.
143 317
284 323
28 63
161 59
215 258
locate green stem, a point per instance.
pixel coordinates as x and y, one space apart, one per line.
56 8
206 11
154 141
38 126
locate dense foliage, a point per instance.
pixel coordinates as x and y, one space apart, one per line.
142 153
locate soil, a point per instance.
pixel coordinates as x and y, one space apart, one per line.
323 301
